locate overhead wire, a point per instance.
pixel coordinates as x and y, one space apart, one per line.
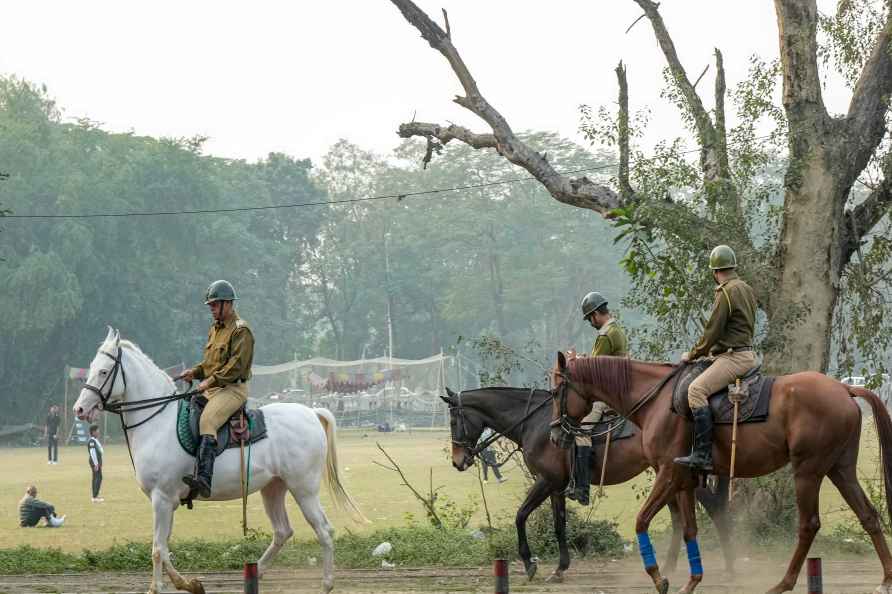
398 196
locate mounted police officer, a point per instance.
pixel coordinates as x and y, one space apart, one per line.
224 373
728 338
611 341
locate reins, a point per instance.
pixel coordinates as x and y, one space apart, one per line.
121 407
474 450
574 428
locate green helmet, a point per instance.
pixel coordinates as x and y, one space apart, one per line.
220 290
722 257
591 302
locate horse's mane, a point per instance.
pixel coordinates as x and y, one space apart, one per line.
509 391
613 375
137 352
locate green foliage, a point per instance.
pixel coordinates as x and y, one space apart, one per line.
412 546
64 280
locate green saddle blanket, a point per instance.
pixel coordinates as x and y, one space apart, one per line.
188 414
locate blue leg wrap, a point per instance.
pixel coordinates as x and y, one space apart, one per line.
694 557
647 550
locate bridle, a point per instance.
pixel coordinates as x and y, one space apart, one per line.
112 376
121 406
571 428
474 449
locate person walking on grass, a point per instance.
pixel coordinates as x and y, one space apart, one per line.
94 449
488 459
32 510
51 434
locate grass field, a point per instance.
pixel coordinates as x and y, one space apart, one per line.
126 514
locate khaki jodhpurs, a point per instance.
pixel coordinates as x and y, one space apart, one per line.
598 409
725 370
222 403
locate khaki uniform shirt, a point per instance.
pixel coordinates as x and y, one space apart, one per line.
611 341
228 353
732 322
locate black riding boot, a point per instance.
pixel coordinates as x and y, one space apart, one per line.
583 474
201 482
701 452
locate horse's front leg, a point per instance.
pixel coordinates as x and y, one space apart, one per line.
559 512
163 507
535 497
663 490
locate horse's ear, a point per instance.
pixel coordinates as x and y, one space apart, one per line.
561 361
117 337
110 335
448 397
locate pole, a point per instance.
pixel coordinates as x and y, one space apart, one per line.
736 400
500 571
815 577
604 465
251 585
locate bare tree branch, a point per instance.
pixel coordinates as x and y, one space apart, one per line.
702 74
864 217
579 192
427 502
870 101
625 188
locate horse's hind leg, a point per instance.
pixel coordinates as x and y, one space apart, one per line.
559 513
274 504
675 542
315 515
808 484
716 506
846 480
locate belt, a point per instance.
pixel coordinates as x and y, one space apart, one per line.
740 349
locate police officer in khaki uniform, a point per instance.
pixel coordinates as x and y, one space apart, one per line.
611 341
728 338
224 373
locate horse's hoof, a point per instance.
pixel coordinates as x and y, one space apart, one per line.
663 586
532 568
556 577
883 589
196 587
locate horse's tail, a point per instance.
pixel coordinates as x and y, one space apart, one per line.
341 498
884 431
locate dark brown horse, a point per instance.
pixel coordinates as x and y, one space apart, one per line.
813 423
504 409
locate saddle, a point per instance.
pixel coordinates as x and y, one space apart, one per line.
752 408
230 435
623 429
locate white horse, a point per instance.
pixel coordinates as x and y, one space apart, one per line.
299 450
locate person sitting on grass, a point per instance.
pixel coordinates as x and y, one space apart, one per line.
32 509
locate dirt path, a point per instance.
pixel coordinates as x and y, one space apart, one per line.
586 577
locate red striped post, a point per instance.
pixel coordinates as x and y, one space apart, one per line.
815 578
251 585
500 571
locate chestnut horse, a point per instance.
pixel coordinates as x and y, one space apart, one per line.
813 423
522 415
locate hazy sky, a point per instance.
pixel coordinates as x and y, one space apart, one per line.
297 76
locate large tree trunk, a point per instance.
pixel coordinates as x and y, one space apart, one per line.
809 267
